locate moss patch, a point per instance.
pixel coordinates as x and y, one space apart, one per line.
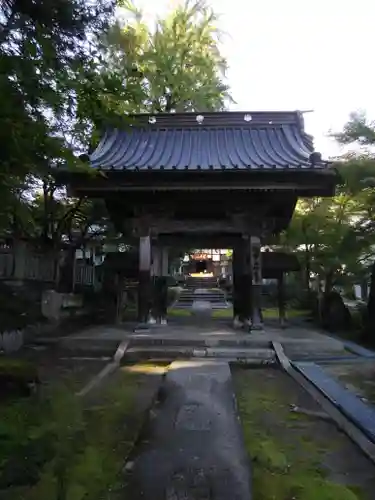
287 449
60 447
359 378
269 313
179 313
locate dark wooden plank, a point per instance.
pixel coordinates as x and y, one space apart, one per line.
355 409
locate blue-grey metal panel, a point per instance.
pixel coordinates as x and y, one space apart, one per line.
359 412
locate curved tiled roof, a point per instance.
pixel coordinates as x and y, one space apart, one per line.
208 141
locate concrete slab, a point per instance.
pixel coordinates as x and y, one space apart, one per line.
299 343
102 332
195 448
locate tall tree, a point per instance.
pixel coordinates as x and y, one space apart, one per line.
334 236
360 131
176 66
49 52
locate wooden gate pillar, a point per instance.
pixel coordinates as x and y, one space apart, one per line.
144 280
256 268
237 260
155 275
247 295
160 267
165 275
241 284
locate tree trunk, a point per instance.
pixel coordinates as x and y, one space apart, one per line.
66 277
364 289
328 285
307 268
370 321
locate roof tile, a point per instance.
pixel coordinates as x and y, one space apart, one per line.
224 140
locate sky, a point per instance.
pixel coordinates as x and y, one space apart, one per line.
297 54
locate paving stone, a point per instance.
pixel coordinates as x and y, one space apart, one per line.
195 450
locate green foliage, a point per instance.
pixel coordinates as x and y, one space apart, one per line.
357 130
334 236
175 67
49 52
64 77
66 449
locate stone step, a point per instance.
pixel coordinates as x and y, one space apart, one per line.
245 341
188 305
212 301
88 347
208 294
256 356
202 297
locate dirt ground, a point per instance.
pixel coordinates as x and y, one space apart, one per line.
295 456
357 377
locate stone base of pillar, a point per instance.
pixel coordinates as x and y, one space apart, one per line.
257 327
246 302
160 299
237 323
256 315
144 296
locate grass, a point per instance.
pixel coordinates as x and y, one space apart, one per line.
56 446
286 463
179 313
269 313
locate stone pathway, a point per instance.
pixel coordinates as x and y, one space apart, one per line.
194 448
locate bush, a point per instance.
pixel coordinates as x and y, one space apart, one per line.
173 294
17 377
18 308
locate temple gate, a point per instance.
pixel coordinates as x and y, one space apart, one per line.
206 180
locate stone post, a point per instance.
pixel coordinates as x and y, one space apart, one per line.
256 268
144 285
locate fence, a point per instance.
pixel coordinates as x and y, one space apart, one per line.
6 264
29 265
84 274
